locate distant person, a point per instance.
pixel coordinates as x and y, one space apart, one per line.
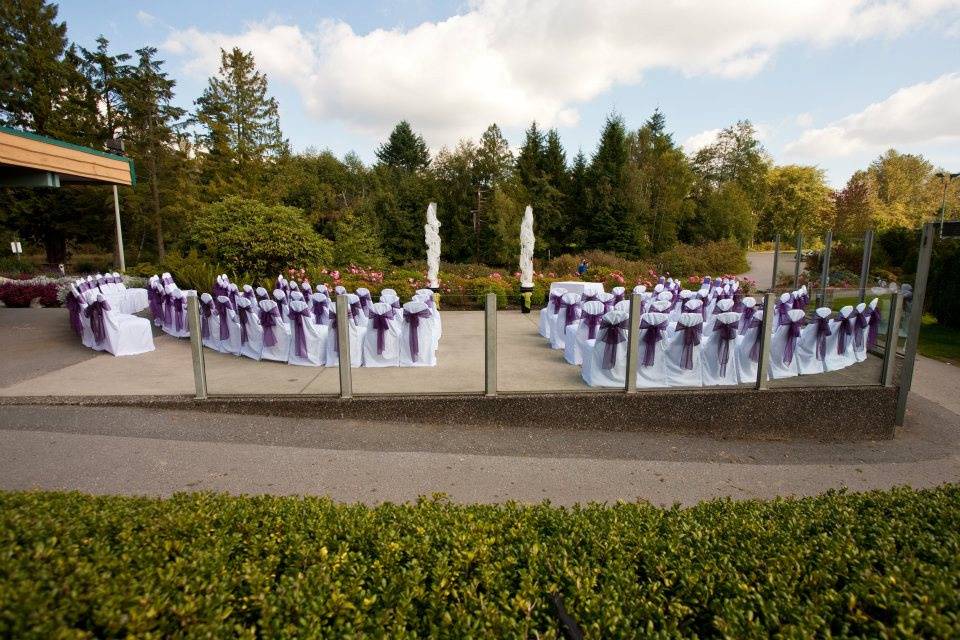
582 269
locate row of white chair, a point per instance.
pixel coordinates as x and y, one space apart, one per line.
102 327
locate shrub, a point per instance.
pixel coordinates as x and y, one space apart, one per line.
20 293
710 258
10 266
190 271
944 285
247 236
874 565
478 289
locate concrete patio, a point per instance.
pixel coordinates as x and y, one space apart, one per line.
43 358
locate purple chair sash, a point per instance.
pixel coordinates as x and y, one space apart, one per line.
726 333
755 323
414 320
179 314
95 312
823 332
652 334
691 339
167 309
206 310
73 305
783 310
793 334
592 321
332 319
297 318
366 301
269 320
617 297
224 318
592 297
737 301
860 323
873 328
381 324
396 305
844 331
555 302
614 335
798 303
243 317
250 295
356 312
321 311
571 313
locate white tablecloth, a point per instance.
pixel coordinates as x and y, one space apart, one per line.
576 286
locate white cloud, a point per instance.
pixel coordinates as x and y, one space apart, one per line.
146 19
511 61
926 113
804 120
700 140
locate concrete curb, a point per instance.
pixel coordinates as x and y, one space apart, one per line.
821 413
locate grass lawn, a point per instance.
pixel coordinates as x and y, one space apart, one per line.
936 341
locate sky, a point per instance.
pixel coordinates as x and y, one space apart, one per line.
832 83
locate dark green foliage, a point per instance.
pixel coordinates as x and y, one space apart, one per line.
944 286
249 236
880 564
404 150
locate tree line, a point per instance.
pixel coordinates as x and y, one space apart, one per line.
637 193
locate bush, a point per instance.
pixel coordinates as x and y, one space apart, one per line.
246 236
710 258
19 294
880 564
478 289
11 267
944 284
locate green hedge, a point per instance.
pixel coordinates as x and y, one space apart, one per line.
881 564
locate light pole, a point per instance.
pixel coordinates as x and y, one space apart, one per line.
947 178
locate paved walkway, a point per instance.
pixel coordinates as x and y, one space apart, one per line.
761 266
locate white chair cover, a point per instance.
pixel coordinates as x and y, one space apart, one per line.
209 322
381 342
548 314
578 340
651 354
783 345
229 326
840 353
387 291
749 309
608 366
719 352
416 336
682 362
179 327
127 335
308 341
280 298
353 336
748 350
568 314
861 320
251 333
812 345
276 333
320 307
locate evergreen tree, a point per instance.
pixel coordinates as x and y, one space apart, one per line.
530 158
106 74
577 200
404 149
241 124
613 221
356 241
152 125
663 182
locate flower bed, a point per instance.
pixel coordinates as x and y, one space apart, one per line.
21 292
874 565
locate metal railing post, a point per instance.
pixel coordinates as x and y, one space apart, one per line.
343 346
766 333
916 319
797 259
776 262
893 335
865 263
825 267
196 346
633 343
490 345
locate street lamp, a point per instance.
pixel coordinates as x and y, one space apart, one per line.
946 178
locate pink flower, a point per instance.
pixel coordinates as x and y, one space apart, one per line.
335 275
